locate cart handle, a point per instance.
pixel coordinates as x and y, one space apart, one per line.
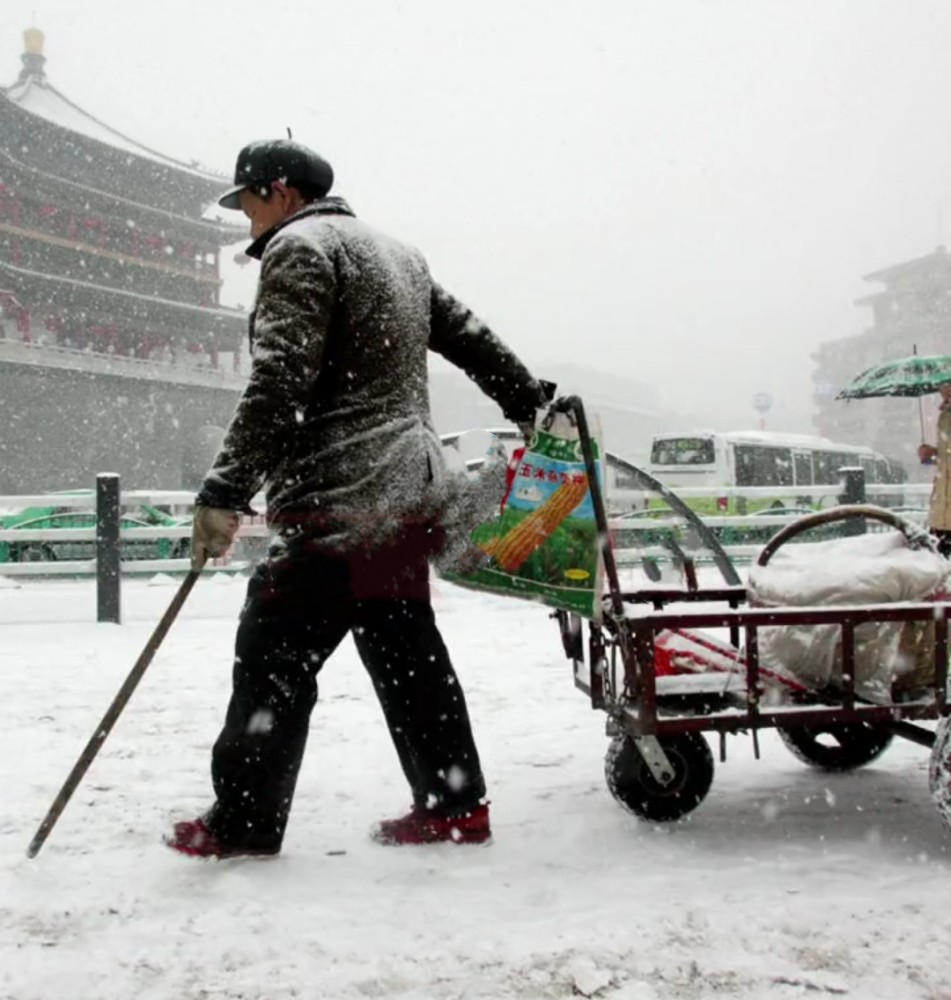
842 513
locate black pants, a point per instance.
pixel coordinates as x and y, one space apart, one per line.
300 605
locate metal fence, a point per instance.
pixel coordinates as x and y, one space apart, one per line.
111 541
741 536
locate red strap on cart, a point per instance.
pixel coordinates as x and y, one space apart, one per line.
687 651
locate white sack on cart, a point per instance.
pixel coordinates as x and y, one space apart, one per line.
876 568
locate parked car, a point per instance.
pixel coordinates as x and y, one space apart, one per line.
53 518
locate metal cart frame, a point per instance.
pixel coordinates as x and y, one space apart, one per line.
659 765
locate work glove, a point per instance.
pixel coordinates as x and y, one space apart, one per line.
213 531
526 427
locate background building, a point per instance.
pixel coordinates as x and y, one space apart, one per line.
912 312
115 352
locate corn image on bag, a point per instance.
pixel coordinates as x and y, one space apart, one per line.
543 545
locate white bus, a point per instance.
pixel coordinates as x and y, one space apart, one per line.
790 462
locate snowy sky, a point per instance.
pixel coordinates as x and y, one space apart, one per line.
683 191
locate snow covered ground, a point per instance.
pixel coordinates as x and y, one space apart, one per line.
785 883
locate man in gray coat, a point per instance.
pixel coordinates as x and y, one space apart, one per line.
335 426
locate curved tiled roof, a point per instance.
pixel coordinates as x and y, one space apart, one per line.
35 94
217 314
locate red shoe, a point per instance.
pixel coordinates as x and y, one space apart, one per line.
193 838
422 826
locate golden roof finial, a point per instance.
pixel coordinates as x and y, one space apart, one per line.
33 41
32 58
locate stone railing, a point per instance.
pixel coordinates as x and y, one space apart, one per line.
53 356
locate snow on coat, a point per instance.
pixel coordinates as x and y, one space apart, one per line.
335 422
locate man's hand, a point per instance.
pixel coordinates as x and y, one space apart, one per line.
213 531
926 453
527 431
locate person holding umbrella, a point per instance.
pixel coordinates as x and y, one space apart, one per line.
917 376
939 509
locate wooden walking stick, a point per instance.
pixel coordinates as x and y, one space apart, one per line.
112 714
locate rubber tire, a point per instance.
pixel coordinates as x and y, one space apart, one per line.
939 771
630 781
857 744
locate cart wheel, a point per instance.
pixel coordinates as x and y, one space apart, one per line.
836 747
939 770
630 781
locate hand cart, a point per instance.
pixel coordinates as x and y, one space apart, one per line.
655 665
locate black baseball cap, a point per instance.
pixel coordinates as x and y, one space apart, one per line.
267 160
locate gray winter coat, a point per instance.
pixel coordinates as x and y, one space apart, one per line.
335 421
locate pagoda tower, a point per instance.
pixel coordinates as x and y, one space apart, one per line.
109 290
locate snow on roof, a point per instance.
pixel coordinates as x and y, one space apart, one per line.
938 260
766 437
221 226
35 94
